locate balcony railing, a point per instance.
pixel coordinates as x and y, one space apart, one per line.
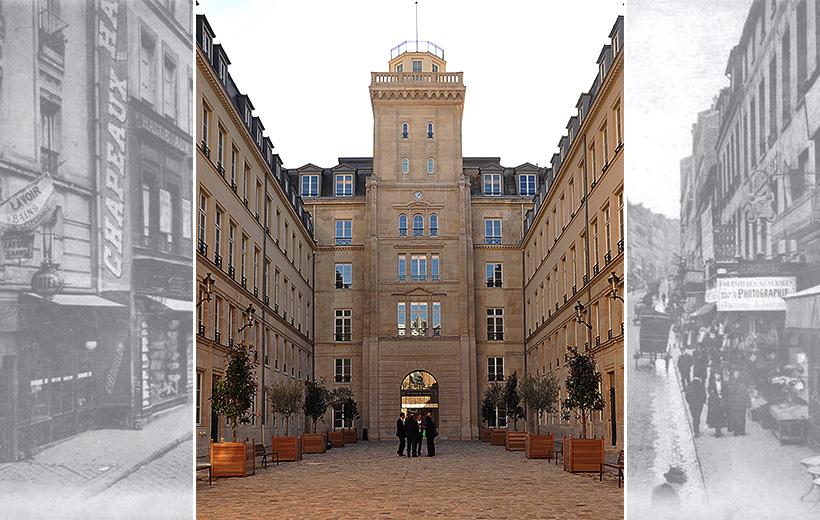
51 32
495 336
417 46
343 241
343 285
493 240
493 283
495 377
418 232
416 78
418 277
342 379
202 248
342 336
49 160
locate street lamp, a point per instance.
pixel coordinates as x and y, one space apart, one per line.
579 315
207 284
249 313
614 281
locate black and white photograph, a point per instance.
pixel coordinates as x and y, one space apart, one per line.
96 334
723 305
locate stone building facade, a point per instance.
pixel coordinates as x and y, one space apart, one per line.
574 242
255 239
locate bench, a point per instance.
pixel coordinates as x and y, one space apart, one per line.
260 451
202 466
616 465
557 450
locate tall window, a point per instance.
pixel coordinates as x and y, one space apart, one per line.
206 115
436 318
218 234
148 74
220 149
595 249
527 184
342 370
429 130
405 166
802 39
339 422
344 319
255 269
344 185
621 218
418 318
233 168
495 324
618 133
607 230
245 176
402 225
401 318
169 88
434 267
418 267
344 276
310 185
430 166
405 130
494 274
146 210
402 267
492 231
416 65
433 225
418 225
495 369
785 72
198 398
344 232
231 238
593 164
492 184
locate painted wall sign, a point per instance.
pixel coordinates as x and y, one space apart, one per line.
763 293
112 44
18 246
29 207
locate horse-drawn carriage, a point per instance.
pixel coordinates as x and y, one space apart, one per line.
653 340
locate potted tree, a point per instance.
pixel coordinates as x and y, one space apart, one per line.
286 399
515 439
232 397
315 407
488 406
342 397
583 397
540 395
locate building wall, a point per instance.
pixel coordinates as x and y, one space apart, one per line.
588 180
283 329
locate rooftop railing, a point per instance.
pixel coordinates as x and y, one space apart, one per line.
453 78
417 46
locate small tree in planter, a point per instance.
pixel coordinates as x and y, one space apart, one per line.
317 398
583 397
540 394
342 397
286 398
232 398
512 400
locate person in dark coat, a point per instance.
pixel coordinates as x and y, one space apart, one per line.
716 414
696 397
666 495
685 363
700 364
737 402
412 429
419 435
432 432
401 433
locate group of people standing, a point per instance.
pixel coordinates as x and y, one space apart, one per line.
703 382
412 430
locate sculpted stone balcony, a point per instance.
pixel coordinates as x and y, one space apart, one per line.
415 79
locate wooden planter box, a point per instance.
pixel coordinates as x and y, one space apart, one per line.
498 437
486 435
583 454
314 442
289 448
350 435
337 439
515 441
538 446
232 459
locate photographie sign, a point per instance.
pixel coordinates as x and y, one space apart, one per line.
764 293
29 207
112 46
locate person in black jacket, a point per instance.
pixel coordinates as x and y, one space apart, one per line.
412 429
401 433
431 432
696 397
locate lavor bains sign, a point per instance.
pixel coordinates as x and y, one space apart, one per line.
29 207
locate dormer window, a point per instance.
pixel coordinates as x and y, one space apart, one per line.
405 166
602 70
223 70
405 130
259 137
435 67
429 130
247 117
400 68
344 185
310 185
206 44
616 44
527 184
416 65
492 184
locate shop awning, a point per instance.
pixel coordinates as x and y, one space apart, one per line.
803 309
174 305
703 310
78 300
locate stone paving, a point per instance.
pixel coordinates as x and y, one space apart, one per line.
466 479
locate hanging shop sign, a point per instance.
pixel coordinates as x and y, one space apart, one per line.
112 47
18 246
760 200
29 207
763 293
48 280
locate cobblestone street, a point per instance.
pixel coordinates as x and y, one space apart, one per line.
368 480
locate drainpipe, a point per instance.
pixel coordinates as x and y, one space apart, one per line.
586 256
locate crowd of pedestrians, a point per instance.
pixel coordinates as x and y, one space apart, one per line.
412 430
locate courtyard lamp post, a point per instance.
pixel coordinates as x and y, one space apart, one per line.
207 284
614 282
579 315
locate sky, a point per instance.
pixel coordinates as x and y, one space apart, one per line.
676 55
306 67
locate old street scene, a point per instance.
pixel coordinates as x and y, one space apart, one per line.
415 331
96 335
724 336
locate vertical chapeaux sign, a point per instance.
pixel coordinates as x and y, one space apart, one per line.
112 44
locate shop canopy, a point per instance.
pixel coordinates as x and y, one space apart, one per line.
803 309
174 305
703 310
77 300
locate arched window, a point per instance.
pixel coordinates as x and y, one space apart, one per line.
429 129
402 225
433 225
418 225
430 166
405 130
405 165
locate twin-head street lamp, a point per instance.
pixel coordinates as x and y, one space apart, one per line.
207 284
614 282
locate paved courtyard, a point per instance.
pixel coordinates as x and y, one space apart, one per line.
368 480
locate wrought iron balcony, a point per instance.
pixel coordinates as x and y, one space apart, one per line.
217 336
607 257
621 245
234 187
49 160
267 301
201 329
342 336
341 241
418 277
342 378
433 232
231 271
244 282
493 283
205 149
595 269
202 248
492 240
495 336
218 260
418 232
256 291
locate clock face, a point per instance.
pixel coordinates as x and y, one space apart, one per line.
417 195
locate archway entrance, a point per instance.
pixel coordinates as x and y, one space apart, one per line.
419 394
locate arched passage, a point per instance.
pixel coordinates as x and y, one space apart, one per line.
419 394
